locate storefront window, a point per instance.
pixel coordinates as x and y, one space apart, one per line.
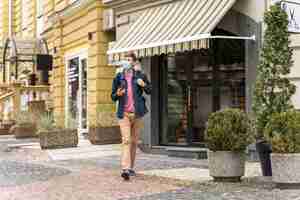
177 108
195 85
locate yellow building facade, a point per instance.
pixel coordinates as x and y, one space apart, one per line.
80 79
4 19
18 25
18 18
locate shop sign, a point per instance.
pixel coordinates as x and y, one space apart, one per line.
292 8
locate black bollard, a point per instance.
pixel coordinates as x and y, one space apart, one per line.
264 152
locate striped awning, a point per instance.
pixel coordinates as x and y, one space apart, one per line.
178 26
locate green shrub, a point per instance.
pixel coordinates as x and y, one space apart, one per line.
283 131
25 117
229 130
46 123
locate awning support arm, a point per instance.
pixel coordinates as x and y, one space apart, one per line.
253 37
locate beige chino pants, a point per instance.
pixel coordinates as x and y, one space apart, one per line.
130 130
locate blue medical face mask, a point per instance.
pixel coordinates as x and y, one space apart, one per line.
126 65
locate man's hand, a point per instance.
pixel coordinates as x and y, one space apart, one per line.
141 83
120 92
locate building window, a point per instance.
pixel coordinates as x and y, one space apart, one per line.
39 17
24 14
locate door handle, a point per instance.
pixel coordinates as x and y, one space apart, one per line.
189 98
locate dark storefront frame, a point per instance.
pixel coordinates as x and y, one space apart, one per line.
217 55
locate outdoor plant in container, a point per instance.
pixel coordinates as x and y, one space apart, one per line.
25 125
273 88
53 136
106 129
228 133
283 132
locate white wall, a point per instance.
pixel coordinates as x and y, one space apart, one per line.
295 71
255 9
296 97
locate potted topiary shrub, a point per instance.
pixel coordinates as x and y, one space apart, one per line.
53 136
273 88
283 132
106 129
25 126
228 133
5 127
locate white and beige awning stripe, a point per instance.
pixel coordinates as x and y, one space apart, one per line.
178 26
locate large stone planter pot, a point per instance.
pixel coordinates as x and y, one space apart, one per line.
286 169
226 166
5 128
58 139
105 135
26 130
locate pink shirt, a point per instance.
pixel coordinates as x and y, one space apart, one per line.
129 106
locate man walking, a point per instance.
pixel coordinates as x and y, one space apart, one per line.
128 88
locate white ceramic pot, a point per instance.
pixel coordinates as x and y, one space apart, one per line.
286 168
226 165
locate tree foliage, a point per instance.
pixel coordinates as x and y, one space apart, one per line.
273 89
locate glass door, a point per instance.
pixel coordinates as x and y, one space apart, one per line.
83 124
201 95
187 97
72 93
175 90
76 102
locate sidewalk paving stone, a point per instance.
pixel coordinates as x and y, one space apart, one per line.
14 173
93 173
197 174
93 185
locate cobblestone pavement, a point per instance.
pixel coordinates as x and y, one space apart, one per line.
27 173
14 173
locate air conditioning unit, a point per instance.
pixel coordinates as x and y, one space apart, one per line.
109 22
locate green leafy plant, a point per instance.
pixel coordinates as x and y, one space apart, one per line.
105 115
283 131
273 89
25 117
47 123
229 130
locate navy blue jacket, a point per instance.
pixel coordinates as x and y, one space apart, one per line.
138 91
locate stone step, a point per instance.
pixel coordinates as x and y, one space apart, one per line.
187 152
201 153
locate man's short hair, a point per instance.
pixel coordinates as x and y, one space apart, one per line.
131 55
